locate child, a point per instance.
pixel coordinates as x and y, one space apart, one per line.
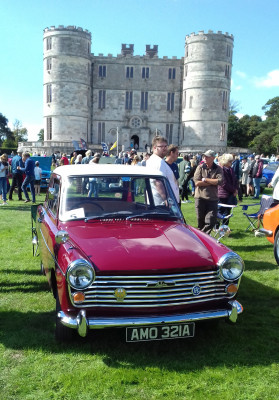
38 177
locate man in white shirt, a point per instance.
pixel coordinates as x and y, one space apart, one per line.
156 161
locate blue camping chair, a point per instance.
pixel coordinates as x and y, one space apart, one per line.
221 228
255 219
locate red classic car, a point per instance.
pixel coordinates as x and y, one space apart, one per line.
118 253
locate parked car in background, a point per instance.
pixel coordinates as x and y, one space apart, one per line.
271 229
118 253
45 165
269 171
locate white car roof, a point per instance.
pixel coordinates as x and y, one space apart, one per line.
105 169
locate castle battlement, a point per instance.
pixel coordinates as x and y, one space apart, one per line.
71 28
210 32
132 57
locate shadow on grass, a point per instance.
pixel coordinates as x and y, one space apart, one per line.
253 340
253 265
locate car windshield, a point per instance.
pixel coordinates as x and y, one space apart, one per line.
120 197
272 166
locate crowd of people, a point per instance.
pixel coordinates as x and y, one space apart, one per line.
209 178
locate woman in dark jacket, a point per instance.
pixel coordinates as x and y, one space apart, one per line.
227 192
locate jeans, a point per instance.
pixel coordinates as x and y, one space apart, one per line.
29 180
256 183
3 188
17 181
93 188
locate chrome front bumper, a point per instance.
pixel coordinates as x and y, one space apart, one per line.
82 323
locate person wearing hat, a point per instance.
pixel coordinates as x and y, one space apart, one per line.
207 177
17 175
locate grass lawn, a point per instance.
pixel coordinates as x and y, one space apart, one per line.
238 361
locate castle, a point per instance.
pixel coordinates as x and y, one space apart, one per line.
98 98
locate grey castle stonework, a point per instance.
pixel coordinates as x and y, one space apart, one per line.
92 96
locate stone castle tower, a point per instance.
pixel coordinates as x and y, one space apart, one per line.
67 83
206 88
92 96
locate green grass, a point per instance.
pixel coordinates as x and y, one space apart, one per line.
238 361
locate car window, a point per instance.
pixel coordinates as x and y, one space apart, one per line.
53 196
119 196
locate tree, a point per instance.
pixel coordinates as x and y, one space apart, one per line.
41 135
271 108
4 129
20 133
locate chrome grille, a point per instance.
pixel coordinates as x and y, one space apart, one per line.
155 290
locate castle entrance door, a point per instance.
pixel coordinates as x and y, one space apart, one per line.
135 142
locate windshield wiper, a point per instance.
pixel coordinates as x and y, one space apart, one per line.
108 215
152 215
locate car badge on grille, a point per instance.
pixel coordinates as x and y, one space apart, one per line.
160 284
196 290
120 294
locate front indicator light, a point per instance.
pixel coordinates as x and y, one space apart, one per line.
231 289
79 297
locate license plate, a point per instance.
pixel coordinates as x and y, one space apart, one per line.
160 332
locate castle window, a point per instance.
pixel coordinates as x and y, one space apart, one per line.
101 132
170 102
227 71
49 94
185 70
145 73
135 122
229 51
102 99
102 71
223 132
171 73
48 64
225 100
144 101
169 132
49 43
129 72
186 51
128 100
49 128
184 99
191 102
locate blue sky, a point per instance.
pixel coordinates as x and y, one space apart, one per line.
254 24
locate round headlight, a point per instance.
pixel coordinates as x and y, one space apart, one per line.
231 266
80 274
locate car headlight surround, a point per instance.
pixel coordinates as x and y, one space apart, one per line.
80 274
231 266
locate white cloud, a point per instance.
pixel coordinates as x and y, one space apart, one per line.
270 80
239 87
241 74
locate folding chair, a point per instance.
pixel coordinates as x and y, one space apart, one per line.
221 229
255 219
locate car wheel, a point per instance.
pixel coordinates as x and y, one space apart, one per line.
276 247
62 333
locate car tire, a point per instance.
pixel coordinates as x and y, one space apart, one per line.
62 333
276 247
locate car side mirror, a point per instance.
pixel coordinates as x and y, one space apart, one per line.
61 237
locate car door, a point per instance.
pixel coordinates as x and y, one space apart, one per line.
47 225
